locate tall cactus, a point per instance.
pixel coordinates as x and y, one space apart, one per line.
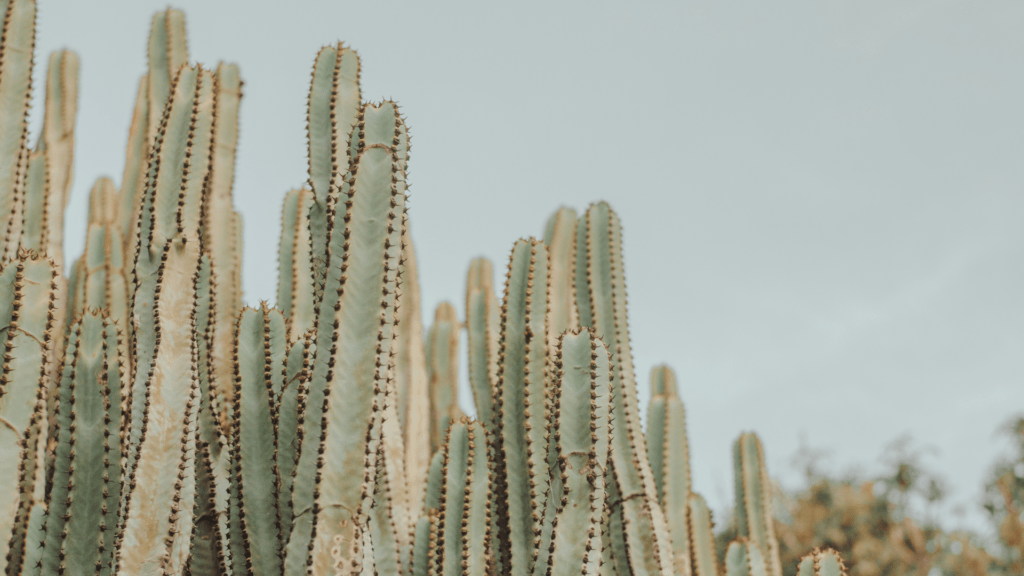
27 294
821 563
443 373
704 561
333 489
295 276
669 454
463 538
16 50
560 238
86 485
520 410
483 318
57 142
640 538
754 499
582 435
161 462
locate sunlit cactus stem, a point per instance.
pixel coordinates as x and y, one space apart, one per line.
754 518
821 563
443 373
704 559
744 558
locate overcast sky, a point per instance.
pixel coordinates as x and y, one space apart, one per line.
821 200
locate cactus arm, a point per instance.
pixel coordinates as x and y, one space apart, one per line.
221 225
167 53
258 366
400 510
27 316
743 558
704 559
291 407
161 489
560 238
16 50
520 409
821 563
58 143
482 323
334 99
669 454
462 540
604 293
753 495
443 373
207 554
133 180
295 285
422 549
35 204
583 399
411 382
357 309
383 523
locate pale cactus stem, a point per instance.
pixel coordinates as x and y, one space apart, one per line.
581 410
28 287
86 484
702 538
462 546
754 518
333 489
560 238
295 277
17 45
382 527
483 319
744 558
669 453
443 373
393 508
221 225
422 547
522 426
821 562
57 142
334 102
291 408
637 522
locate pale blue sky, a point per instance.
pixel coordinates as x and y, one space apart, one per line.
822 200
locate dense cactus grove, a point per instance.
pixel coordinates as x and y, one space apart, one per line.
153 424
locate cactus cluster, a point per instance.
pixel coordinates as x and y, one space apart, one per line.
152 424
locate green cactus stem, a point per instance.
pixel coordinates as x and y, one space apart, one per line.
601 304
483 319
560 238
295 277
463 537
669 453
820 562
520 465
57 142
28 287
582 435
260 346
86 485
333 489
754 499
291 408
16 49
443 373
744 558
704 561
334 99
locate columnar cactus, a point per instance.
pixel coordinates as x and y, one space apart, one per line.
155 425
754 500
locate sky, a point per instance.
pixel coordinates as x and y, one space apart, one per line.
821 200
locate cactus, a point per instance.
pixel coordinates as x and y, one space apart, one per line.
669 454
753 500
821 563
704 562
743 558
583 432
640 538
443 373
482 326
176 431
86 486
